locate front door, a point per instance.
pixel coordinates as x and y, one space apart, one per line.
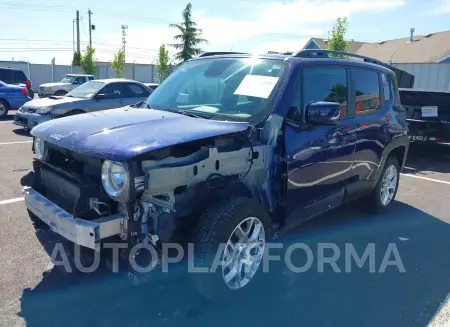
319 158
114 97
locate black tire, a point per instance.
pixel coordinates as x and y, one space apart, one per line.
374 199
31 94
60 93
4 108
214 227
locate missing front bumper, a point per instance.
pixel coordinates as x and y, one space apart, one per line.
86 233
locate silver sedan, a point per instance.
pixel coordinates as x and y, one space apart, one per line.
91 96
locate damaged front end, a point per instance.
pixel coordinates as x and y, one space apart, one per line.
151 198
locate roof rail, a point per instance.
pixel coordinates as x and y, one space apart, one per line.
325 53
207 54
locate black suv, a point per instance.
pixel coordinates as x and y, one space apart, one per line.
231 149
16 77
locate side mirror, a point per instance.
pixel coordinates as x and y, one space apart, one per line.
101 96
323 113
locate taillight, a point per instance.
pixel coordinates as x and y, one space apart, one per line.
24 91
28 83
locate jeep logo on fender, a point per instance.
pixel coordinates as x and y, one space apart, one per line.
56 136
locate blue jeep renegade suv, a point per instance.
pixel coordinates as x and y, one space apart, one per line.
226 154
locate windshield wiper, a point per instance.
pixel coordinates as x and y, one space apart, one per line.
186 113
179 111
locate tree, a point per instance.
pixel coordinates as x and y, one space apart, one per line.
189 38
118 64
87 61
76 59
162 64
337 40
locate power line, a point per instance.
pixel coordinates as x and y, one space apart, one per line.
26 41
130 16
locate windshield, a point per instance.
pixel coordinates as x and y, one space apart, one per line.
230 88
86 90
68 79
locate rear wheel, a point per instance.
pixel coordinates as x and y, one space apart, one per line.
385 191
4 107
31 94
229 241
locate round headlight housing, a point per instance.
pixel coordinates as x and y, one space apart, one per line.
115 179
40 148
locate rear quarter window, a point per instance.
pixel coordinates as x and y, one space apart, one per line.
19 76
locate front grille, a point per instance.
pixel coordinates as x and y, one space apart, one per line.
58 184
68 185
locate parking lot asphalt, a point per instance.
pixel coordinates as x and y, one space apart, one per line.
35 293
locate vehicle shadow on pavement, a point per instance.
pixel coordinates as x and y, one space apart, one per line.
9 116
355 296
22 132
427 158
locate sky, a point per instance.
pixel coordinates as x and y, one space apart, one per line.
39 31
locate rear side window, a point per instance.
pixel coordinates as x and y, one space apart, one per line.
136 91
367 89
6 75
322 84
90 78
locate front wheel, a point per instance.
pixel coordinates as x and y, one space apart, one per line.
60 93
385 191
229 242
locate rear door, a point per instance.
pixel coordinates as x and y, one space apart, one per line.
370 111
428 115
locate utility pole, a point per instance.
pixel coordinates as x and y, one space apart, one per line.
78 31
90 27
124 40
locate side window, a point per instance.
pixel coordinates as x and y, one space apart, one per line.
387 87
322 84
114 91
90 78
136 91
79 81
367 88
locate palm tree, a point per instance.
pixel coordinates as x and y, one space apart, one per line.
189 38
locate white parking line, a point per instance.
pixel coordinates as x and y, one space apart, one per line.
11 200
18 142
426 178
442 316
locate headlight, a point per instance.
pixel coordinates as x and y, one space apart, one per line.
116 180
40 149
43 110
